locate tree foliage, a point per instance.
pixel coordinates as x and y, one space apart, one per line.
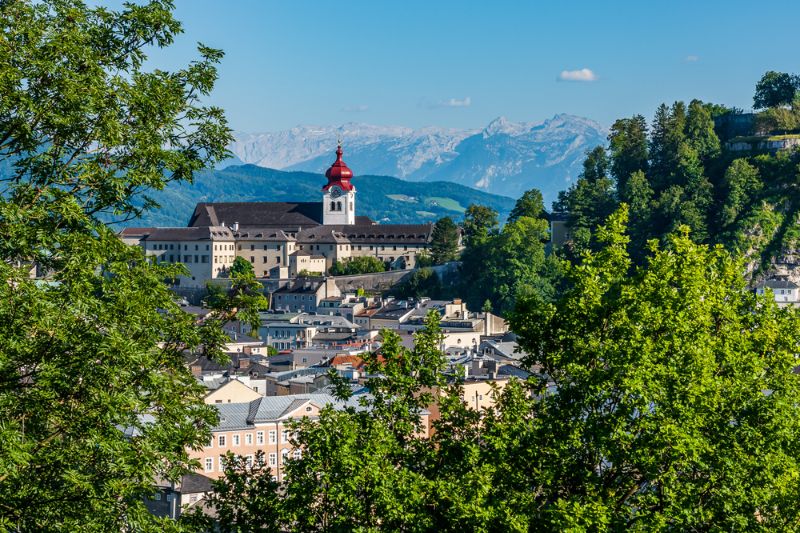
775 89
444 241
674 394
499 266
95 398
357 265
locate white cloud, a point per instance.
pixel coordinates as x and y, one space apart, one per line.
691 58
355 108
583 74
452 102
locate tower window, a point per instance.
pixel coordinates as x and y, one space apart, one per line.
338 206
333 206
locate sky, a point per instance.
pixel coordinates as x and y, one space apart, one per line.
461 64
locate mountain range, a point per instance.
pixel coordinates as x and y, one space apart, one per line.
382 198
505 157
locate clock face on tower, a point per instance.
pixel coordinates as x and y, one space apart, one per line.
336 192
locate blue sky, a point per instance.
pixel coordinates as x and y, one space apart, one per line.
461 64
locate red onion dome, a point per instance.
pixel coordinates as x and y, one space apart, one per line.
339 174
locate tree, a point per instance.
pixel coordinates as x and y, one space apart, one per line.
530 204
700 131
444 241
422 282
672 388
741 181
246 498
775 89
241 266
479 223
589 201
357 265
95 398
628 146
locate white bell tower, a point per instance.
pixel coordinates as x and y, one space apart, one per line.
339 195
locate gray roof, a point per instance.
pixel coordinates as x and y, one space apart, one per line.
189 234
262 234
234 416
780 284
258 214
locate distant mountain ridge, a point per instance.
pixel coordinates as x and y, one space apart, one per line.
504 158
382 198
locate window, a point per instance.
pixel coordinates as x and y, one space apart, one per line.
273 459
157 496
221 441
209 464
249 459
252 259
259 437
297 454
221 463
264 258
236 439
285 436
284 455
333 206
273 436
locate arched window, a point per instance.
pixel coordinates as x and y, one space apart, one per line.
333 206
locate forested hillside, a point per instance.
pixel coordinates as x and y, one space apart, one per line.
382 198
732 177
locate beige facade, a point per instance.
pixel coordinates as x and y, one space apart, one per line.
234 391
206 252
305 262
264 249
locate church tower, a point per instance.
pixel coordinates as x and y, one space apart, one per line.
339 195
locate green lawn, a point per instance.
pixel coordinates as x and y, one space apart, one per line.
445 203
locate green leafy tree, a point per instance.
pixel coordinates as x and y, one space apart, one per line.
530 204
95 399
673 396
422 282
667 135
700 131
741 182
629 151
775 89
357 265
589 201
246 498
241 267
480 222
444 241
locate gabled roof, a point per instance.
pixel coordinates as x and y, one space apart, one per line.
258 214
